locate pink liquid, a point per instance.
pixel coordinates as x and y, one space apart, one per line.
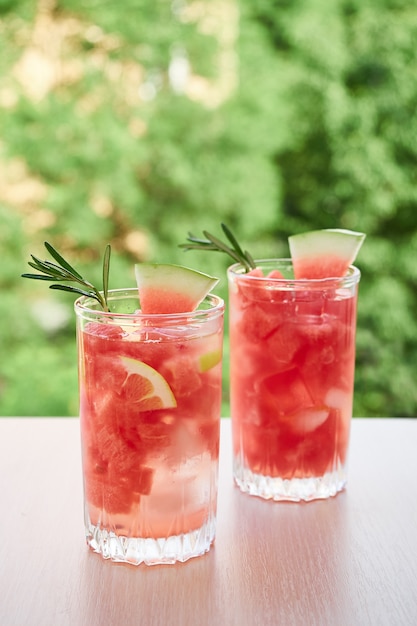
292 374
146 468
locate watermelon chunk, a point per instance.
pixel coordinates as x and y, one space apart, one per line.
324 253
165 288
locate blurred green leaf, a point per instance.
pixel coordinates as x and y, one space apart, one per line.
294 116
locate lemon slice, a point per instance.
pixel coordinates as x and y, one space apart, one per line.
145 387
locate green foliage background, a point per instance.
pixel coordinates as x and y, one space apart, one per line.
294 116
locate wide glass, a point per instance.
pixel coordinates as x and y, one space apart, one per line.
292 357
150 399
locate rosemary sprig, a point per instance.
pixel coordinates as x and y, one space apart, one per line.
214 243
63 272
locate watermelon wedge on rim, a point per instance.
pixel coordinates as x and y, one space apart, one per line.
326 253
165 288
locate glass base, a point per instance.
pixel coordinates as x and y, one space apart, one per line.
293 490
137 550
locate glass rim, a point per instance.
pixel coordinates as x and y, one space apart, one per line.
235 271
87 306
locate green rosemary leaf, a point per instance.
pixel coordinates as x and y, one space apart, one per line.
217 245
61 261
38 277
200 246
106 268
52 270
232 240
62 271
250 259
197 240
37 264
89 294
223 247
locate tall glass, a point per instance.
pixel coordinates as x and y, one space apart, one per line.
292 355
150 399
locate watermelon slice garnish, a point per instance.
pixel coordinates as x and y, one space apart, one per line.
165 288
324 253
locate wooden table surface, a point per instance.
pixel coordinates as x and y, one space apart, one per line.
350 560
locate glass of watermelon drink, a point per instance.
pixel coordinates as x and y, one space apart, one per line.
292 351
150 397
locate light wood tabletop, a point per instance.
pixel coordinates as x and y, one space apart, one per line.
350 560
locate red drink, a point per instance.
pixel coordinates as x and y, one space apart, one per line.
150 397
292 348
